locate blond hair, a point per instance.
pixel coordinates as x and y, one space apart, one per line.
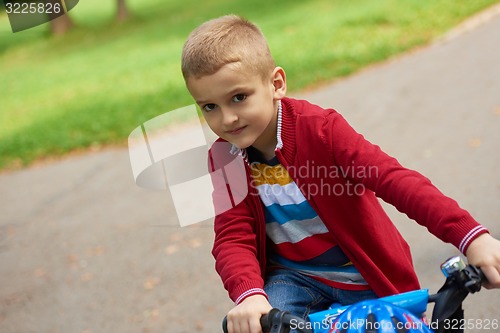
224 40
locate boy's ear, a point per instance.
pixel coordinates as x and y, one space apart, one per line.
279 83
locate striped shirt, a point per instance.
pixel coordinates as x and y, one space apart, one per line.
299 240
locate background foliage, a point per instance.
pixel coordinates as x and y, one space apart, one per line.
95 84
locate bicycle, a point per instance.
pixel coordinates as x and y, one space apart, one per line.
447 315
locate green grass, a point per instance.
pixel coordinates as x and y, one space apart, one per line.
94 85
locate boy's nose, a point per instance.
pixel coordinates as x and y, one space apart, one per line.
228 117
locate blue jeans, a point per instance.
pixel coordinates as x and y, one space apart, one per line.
301 295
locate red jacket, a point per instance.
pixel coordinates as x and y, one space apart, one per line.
341 174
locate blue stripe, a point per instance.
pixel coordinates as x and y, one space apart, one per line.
333 257
322 268
286 213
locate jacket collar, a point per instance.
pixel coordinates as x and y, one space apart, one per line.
287 133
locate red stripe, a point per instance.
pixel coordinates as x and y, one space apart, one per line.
306 249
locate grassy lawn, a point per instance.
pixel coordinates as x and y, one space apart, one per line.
94 85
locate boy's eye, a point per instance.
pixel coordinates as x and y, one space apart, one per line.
209 107
239 98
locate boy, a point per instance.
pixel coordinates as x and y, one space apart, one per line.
311 231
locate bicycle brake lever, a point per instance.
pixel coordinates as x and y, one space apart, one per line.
475 278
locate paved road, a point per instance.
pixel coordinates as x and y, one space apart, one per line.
82 249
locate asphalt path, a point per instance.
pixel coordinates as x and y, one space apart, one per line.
83 249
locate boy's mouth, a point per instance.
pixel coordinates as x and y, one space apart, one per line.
236 131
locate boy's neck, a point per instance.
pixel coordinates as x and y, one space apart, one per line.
269 155
255 155
267 143
268 149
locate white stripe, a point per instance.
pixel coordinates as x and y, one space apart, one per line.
279 145
294 231
281 195
469 236
250 292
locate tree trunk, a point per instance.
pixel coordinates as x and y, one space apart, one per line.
122 13
59 25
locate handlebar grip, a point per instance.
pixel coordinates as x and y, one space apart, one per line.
481 274
224 324
264 323
277 321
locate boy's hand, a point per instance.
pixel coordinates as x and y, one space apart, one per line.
245 317
484 252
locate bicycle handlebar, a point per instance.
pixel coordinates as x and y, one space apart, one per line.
277 321
460 281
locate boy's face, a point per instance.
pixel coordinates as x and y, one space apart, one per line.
239 106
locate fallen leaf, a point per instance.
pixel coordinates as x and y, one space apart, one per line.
73 260
195 242
474 143
11 231
96 251
151 314
171 249
40 272
176 237
151 282
86 277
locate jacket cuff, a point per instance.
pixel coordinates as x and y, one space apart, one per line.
469 237
462 232
250 292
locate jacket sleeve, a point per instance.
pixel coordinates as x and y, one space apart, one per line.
235 247
409 191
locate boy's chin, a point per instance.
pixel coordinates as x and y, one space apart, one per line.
240 144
